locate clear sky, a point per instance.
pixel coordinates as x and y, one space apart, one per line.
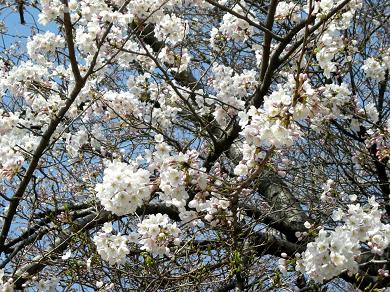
17 31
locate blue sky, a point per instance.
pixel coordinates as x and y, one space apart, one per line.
15 31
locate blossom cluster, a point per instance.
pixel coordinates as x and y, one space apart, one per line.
112 248
137 101
271 124
335 251
173 186
123 104
124 187
232 27
176 173
75 142
42 44
14 142
51 9
334 98
379 138
286 10
171 29
231 90
19 78
375 69
331 41
216 211
328 189
157 234
175 59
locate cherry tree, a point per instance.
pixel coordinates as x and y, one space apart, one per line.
194 145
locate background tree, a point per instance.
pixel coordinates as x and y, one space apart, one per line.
194 145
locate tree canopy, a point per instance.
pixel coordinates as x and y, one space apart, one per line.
194 145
